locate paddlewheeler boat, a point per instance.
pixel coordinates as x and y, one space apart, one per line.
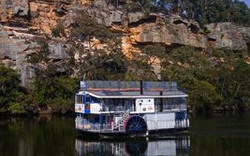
130 108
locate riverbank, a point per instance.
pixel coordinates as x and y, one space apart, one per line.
220 110
44 111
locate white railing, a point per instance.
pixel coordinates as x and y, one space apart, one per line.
147 85
182 123
117 108
89 126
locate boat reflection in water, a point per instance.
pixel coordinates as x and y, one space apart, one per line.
176 146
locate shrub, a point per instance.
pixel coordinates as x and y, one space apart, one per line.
16 108
59 30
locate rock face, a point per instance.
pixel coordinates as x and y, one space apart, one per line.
227 35
58 50
18 40
156 28
245 31
14 48
10 8
16 45
176 31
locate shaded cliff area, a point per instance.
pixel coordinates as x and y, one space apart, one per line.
47 46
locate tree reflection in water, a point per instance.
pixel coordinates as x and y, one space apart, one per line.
145 147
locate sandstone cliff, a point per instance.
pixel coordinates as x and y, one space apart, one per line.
24 20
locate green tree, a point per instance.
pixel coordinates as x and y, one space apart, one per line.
141 64
102 64
52 83
86 28
11 92
42 54
139 6
105 63
51 87
206 11
234 84
204 95
59 30
194 72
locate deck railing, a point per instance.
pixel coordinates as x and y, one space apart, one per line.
182 123
84 124
118 108
128 85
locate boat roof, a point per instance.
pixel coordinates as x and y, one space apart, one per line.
134 94
131 89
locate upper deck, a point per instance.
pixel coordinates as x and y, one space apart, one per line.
137 96
133 94
128 86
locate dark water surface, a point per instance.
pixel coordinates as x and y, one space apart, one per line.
55 136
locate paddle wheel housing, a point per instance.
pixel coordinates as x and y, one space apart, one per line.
135 123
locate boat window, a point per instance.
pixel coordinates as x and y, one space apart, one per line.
159 104
118 104
174 103
95 100
114 102
79 99
87 98
166 104
92 118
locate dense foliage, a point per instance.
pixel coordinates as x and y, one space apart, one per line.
12 94
203 11
53 88
105 63
216 80
207 11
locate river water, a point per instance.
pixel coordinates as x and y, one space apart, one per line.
55 136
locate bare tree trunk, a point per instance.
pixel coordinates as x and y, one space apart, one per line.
237 90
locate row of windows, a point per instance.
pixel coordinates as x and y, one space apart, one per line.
80 99
170 101
165 102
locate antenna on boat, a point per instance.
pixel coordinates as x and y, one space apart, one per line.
141 87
